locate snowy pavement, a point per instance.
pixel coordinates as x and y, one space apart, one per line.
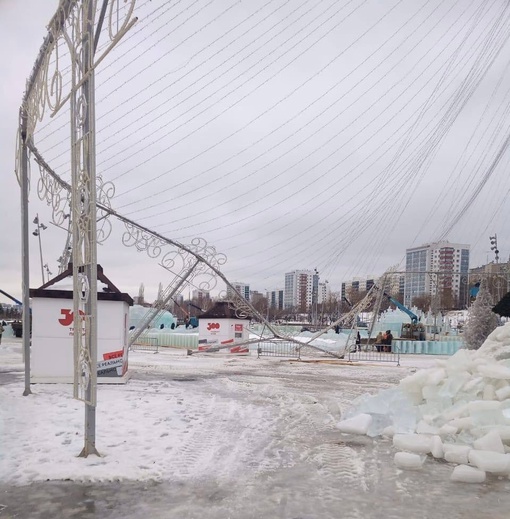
217 437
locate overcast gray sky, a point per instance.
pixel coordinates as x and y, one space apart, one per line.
289 134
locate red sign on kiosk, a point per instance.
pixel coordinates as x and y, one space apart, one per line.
213 326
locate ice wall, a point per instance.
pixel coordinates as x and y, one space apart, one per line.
137 313
391 320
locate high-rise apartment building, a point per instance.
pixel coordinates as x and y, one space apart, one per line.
301 290
437 269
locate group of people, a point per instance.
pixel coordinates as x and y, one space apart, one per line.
383 341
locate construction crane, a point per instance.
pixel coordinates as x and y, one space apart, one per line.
413 330
192 321
11 297
400 306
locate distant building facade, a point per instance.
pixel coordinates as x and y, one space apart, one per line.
324 292
201 298
242 288
495 276
275 298
256 297
439 268
357 285
394 286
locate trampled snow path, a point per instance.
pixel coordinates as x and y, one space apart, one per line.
217 437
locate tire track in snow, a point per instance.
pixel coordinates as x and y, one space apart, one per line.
336 471
194 457
342 475
227 437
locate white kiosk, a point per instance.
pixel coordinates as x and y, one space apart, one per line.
52 356
219 327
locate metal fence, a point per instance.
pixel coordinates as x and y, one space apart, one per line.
374 353
146 344
278 349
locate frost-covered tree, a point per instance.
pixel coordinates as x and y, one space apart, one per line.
481 320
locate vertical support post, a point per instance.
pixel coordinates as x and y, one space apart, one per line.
91 254
25 268
89 156
84 228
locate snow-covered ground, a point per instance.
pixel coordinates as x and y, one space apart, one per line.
216 437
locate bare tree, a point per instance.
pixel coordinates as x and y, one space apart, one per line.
422 302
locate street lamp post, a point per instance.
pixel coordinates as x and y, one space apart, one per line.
40 227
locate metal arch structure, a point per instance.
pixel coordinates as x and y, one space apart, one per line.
197 263
72 40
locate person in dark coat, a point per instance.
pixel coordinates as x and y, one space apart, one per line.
388 341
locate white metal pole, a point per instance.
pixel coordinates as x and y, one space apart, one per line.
90 249
25 250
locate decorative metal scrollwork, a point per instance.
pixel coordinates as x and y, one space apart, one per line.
208 252
105 192
118 21
142 240
203 276
176 261
241 307
54 194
